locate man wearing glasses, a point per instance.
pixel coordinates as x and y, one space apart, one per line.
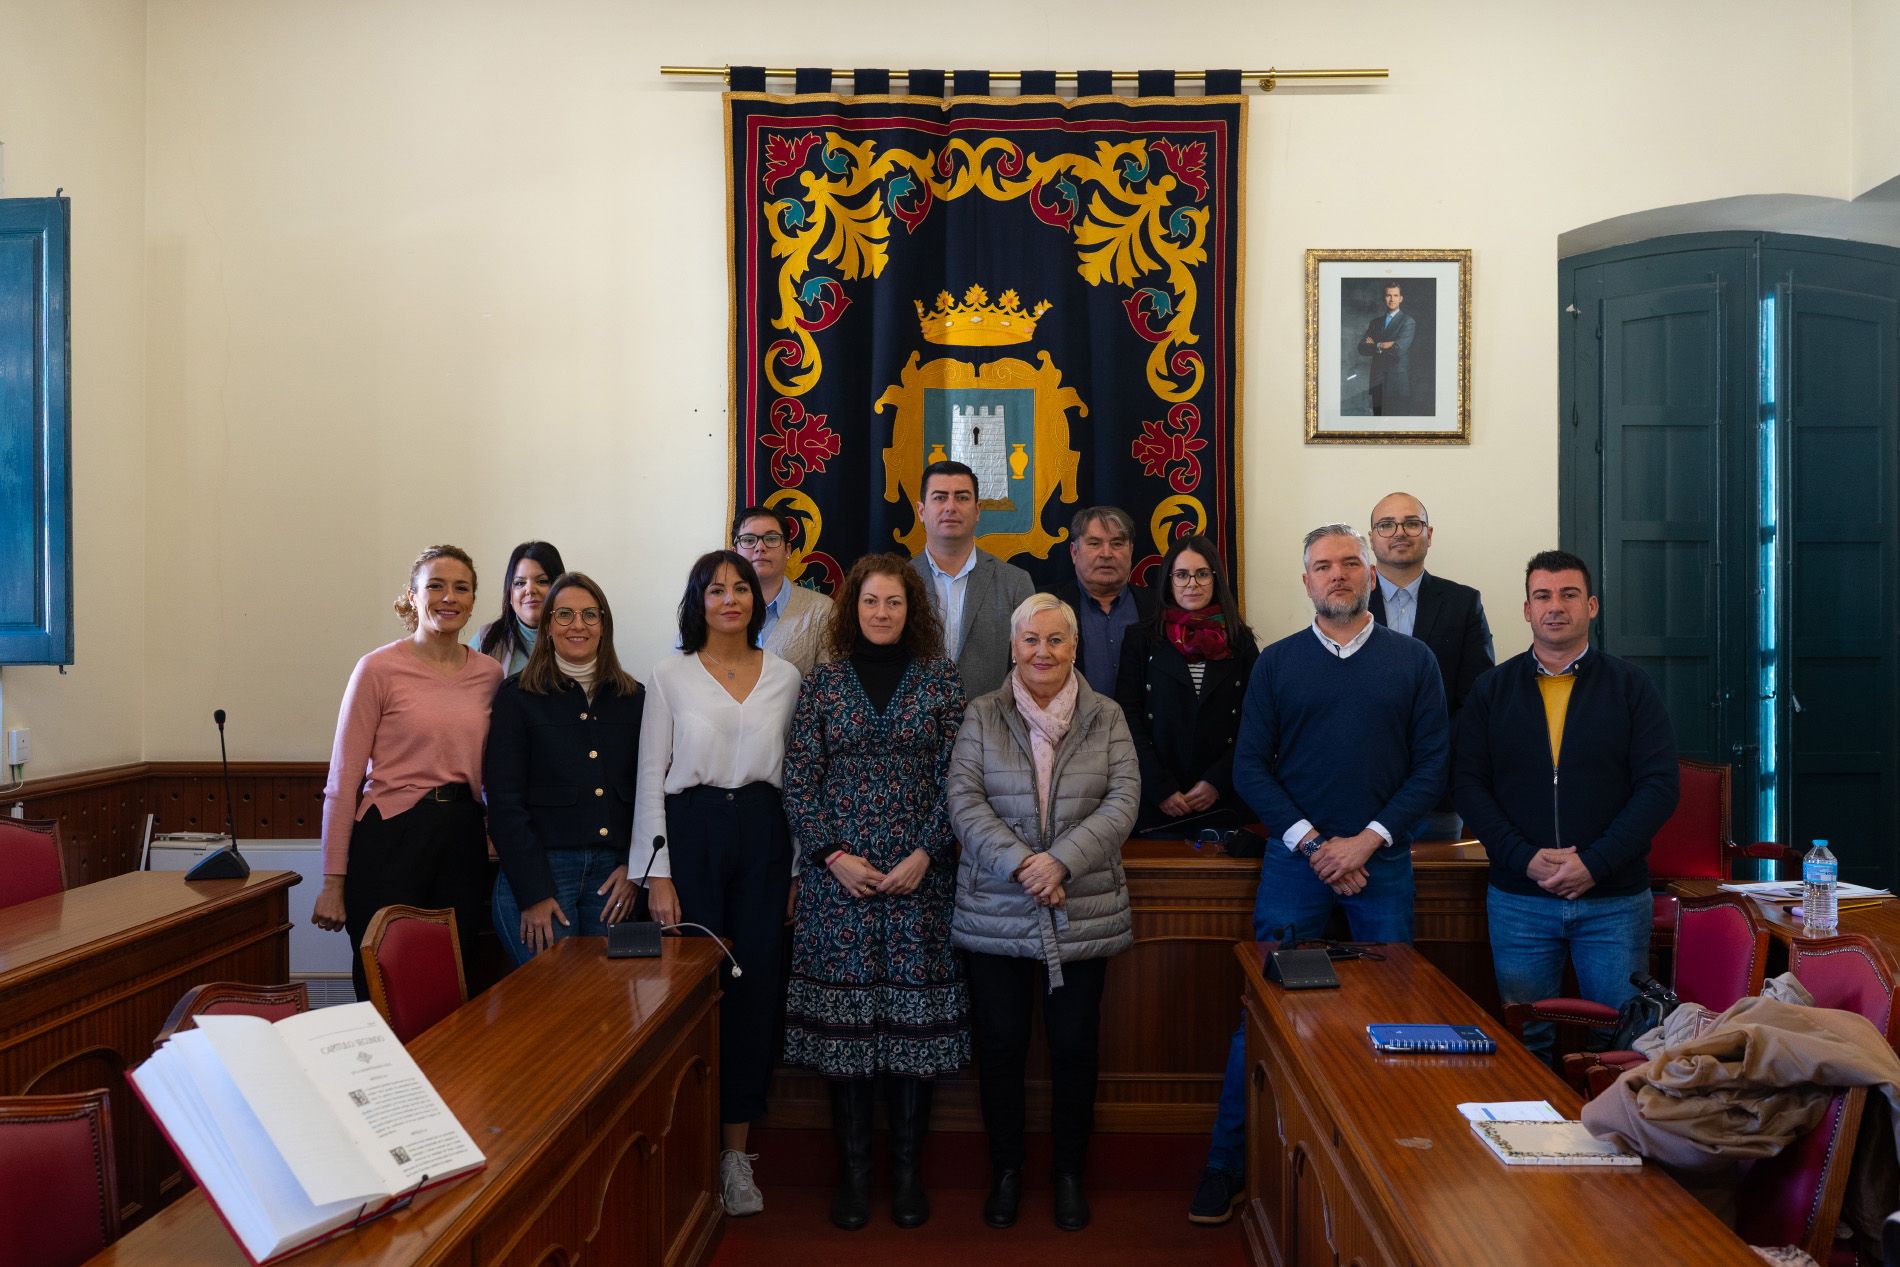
1444 615
795 616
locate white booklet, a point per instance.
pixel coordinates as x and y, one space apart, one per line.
300 1129
1552 1144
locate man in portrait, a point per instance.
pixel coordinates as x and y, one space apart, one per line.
1387 342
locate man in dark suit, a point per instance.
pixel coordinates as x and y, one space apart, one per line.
1388 342
1444 615
974 592
1102 549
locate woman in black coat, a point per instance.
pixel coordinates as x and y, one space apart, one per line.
563 746
1183 674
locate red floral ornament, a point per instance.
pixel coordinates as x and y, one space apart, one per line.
800 444
1167 449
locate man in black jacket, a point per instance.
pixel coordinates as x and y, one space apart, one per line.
1444 615
1564 766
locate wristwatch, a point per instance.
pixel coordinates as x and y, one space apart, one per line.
1310 847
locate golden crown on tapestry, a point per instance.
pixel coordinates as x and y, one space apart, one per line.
976 322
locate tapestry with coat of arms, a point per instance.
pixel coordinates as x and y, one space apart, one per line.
1046 289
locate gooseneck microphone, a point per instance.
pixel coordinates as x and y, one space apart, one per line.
226 863
638 939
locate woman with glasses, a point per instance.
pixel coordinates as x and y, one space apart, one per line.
563 748
1183 675
510 637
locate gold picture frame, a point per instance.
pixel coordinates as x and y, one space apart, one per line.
1413 387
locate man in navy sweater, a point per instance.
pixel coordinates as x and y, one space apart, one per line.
1343 747
1566 767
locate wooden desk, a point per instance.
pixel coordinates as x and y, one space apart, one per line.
1363 1158
1880 921
87 977
592 1084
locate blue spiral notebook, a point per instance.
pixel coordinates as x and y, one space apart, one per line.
1458 1039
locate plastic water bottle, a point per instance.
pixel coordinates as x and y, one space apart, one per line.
1819 876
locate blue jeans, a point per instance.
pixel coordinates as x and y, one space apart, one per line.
1290 893
578 873
1606 938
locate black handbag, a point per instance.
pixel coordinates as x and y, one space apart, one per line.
1651 1004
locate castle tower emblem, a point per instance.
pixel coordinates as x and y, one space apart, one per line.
978 439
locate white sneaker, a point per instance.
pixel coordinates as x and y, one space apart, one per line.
737 1193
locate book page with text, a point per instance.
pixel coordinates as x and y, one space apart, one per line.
372 1086
294 1111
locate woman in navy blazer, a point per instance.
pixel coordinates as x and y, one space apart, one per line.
563 746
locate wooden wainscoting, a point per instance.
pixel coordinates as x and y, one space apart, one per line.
101 812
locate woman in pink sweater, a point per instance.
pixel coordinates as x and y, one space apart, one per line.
402 810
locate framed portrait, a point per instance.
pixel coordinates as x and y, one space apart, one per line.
1388 347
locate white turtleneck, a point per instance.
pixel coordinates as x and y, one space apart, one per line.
582 673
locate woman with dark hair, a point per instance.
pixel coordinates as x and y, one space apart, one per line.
709 835
402 809
510 637
875 987
563 749
1184 672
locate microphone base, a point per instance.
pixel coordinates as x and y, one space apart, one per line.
220 864
633 940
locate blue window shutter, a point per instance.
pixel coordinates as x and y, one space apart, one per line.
36 482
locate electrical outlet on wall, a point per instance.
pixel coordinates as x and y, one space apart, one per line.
19 745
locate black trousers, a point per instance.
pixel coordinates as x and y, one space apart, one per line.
433 854
731 855
1003 992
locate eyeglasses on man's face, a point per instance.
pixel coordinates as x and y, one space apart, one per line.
1199 576
1410 526
586 615
753 540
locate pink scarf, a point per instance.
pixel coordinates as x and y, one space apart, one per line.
1047 726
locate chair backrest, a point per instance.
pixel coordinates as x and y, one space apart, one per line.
59 1198
1721 951
1850 972
1794 1197
414 965
30 862
1691 844
233 998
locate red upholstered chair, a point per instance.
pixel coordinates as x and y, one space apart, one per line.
414 965
232 998
1722 956
30 862
59 1198
1794 1197
1694 844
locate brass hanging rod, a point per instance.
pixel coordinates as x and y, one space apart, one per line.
1268 79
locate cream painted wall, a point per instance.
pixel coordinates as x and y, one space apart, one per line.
72 115
429 270
1876 42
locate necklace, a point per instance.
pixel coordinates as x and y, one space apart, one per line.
708 657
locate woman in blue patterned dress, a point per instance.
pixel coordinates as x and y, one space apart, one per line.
875 987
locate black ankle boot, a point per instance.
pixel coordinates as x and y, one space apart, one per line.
1006 1193
1072 1204
908 1103
852 1103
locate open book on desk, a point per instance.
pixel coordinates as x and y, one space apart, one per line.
301 1129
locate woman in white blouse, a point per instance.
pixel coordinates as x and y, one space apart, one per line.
709 832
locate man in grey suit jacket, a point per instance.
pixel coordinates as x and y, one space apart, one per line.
974 593
1388 341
